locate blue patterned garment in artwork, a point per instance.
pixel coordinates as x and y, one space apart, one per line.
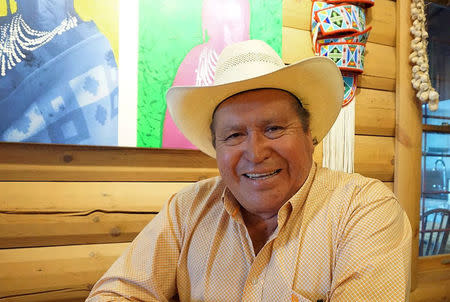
66 91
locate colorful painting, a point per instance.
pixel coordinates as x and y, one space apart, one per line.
58 72
179 45
61 63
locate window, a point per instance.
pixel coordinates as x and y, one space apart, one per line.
435 199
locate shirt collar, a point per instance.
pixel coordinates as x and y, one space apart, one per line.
299 198
231 205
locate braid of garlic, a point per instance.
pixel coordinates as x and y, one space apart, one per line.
419 57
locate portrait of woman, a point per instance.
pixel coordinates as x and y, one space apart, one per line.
223 23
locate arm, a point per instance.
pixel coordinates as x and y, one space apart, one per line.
146 271
373 258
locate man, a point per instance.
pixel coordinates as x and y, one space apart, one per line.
274 226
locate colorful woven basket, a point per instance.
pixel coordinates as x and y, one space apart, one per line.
339 32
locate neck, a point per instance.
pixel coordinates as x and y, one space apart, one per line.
44 15
217 44
260 228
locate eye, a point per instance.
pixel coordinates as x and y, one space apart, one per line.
274 128
274 131
232 136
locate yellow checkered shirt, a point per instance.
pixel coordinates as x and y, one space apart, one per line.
341 237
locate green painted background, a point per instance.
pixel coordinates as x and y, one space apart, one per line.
168 30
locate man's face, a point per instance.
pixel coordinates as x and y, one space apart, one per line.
263 154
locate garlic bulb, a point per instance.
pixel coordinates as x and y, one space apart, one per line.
419 58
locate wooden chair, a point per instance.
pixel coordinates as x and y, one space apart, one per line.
434 232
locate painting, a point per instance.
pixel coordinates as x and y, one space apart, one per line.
58 73
95 72
186 51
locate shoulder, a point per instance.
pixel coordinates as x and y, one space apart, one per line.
201 189
364 206
351 184
346 195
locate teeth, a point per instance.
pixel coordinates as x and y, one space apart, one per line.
261 176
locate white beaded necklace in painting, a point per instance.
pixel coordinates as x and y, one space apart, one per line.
206 67
18 36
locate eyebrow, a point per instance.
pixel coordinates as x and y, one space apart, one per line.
237 127
231 128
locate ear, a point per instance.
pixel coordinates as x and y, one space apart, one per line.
313 141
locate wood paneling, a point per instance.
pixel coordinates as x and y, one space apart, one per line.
47 269
431 291
85 197
374 156
379 59
433 269
408 140
375 112
63 295
297 14
39 230
81 163
373 82
433 279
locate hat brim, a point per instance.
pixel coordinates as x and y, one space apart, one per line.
315 81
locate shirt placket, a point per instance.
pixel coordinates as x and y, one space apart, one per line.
255 283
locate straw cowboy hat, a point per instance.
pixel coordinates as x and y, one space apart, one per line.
248 65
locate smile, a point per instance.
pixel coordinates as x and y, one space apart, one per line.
263 175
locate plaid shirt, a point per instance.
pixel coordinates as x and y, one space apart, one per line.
341 237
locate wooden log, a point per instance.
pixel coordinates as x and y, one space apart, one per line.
373 156
431 291
39 230
433 279
91 163
31 271
408 140
297 14
379 59
375 112
62 295
433 269
81 198
373 82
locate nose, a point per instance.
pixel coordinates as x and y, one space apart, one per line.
257 148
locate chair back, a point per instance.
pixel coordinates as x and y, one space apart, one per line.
435 226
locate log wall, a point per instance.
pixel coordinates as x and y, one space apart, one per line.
67 212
